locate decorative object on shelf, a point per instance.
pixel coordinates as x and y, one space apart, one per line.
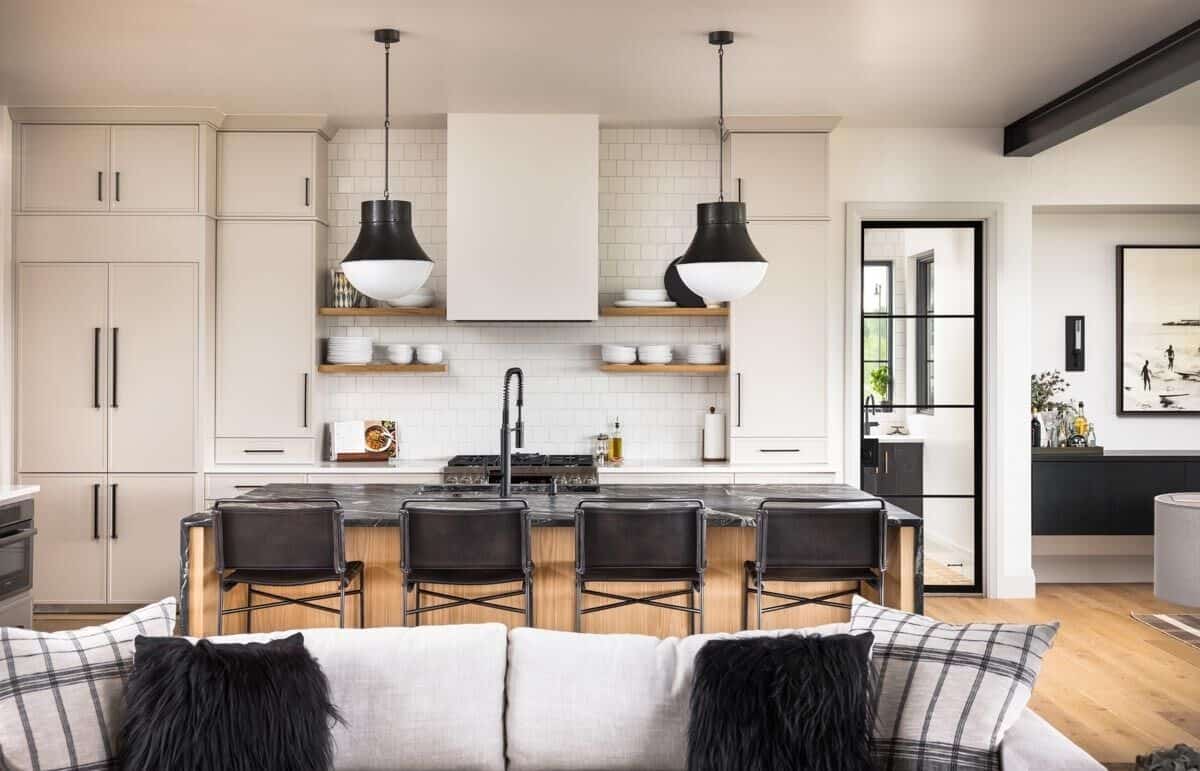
1036 430
1043 388
601 451
342 293
1074 344
386 262
722 262
677 290
1079 427
1158 330
713 439
363 440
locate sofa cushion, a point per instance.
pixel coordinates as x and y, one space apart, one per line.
427 698
603 701
62 694
947 694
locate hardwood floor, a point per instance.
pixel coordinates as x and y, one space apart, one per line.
1115 686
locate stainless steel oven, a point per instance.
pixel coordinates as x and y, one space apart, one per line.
16 550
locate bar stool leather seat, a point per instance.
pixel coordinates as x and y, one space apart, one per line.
292 577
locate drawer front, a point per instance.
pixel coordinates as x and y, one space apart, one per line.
218 486
778 450
265 451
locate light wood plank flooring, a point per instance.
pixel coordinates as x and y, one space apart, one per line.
1116 687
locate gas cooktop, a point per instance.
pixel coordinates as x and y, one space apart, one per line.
522 459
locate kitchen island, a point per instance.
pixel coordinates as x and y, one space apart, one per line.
373 536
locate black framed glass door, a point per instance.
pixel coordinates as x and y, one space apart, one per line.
920 377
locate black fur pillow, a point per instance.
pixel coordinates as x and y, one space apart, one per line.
238 707
795 702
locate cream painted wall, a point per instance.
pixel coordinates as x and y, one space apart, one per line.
6 297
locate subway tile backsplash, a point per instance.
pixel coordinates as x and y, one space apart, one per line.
650 183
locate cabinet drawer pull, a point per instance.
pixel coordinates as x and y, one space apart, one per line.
246 487
779 449
739 189
96 368
99 185
113 534
96 512
307 182
265 452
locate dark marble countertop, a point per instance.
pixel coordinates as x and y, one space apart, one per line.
727 505
1119 455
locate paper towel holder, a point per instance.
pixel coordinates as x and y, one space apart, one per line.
704 441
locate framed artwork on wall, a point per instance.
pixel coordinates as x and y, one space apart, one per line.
1158 330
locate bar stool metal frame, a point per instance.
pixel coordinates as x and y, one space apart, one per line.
462 576
264 568
812 563
585 574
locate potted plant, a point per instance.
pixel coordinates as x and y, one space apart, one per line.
1044 387
880 381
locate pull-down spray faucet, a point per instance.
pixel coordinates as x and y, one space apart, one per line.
508 432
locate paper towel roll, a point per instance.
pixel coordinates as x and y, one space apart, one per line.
714 436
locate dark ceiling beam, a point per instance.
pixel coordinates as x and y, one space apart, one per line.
1169 64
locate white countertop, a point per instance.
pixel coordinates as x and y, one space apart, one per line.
436 465
14 493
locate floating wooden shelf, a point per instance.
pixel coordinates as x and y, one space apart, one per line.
429 312
379 369
612 310
667 369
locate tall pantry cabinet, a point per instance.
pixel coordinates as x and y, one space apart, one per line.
113 240
779 334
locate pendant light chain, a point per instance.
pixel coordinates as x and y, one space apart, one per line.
387 115
721 124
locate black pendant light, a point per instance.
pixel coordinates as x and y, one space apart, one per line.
721 263
386 262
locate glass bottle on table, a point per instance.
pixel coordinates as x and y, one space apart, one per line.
1080 424
616 447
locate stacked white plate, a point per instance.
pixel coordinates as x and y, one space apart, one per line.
703 353
654 354
644 298
349 350
611 353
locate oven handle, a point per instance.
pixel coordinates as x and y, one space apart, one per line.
23 535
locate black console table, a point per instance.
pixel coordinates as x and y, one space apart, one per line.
1111 494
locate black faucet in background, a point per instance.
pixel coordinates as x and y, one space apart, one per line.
869 409
518 430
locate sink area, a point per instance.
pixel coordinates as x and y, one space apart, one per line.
518 489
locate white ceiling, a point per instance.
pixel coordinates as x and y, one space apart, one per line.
877 62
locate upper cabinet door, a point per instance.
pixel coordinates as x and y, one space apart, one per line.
153 341
155 169
268 174
778 337
780 176
61 366
266 311
64 168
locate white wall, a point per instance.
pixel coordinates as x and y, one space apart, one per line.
1074 269
650 183
6 299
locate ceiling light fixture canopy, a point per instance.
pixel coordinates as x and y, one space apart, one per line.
721 263
386 262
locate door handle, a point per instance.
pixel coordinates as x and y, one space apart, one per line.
113 533
305 400
118 182
886 457
96 368
739 189
739 399
307 182
96 512
114 367
99 185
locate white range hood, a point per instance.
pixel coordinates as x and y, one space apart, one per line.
522 219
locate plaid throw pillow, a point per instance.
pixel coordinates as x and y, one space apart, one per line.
62 694
946 693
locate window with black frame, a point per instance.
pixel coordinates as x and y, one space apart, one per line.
878 366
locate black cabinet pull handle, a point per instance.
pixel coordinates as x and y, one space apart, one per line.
96 512
307 181
279 452
113 534
788 449
114 365
118 181
246 487
739 189
305 400
96 368
99 185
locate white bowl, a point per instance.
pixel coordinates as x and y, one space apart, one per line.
646 295
422 298
430 355
400 354
618 354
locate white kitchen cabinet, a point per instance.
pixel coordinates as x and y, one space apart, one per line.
522 217
63 167
778 350
143 534
266 327
62 367
780 175
70 563
153 341
154 168
272 174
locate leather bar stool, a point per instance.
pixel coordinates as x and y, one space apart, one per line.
284 543
816 540
642 540
465 542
